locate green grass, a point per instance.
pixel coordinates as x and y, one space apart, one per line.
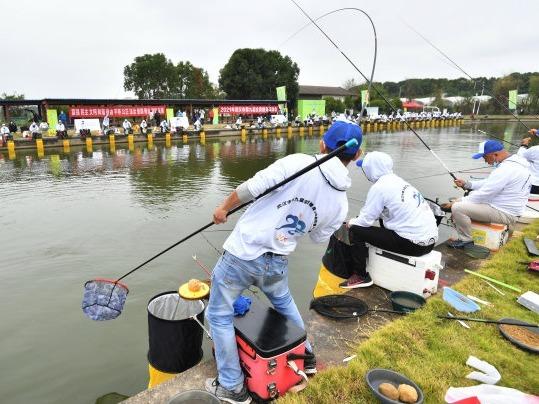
433 352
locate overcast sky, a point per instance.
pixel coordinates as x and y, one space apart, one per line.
73 48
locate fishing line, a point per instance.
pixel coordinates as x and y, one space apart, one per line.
382 96
208 241
469 170
363 106
499 138
465 73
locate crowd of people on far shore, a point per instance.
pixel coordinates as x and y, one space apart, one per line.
157 124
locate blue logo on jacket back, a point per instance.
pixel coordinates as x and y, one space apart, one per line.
294 224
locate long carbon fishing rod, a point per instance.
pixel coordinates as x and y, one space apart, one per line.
350 143
375 43
465 73
374 87
497 137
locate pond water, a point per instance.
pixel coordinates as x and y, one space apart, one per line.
68 218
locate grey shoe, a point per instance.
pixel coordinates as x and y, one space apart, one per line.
214 387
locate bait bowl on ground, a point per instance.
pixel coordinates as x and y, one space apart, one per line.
375 377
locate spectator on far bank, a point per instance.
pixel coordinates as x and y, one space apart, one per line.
127 127
143 126
197 125
43 126
238 122
62 117
4 133
61 130
157 118
34 130
201 115
106 124
12 127
164 126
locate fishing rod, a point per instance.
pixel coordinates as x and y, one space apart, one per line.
378 92
499 138
465 73
507 99
363 105
350 143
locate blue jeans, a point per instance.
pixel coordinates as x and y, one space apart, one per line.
231 276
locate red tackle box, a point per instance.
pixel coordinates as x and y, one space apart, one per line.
266 340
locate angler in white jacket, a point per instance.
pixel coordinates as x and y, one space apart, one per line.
409 226
500 198
257 249
127 127
532 155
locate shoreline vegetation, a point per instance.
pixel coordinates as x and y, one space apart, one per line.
433 352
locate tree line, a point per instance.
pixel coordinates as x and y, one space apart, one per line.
248 74
255 73
525 83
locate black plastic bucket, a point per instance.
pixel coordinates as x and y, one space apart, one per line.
175 338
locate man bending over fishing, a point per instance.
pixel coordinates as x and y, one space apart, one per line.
409 226
499 198
256 251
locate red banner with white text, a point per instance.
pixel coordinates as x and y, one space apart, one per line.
258 109
115 111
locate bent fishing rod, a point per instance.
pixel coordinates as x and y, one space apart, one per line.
465 73
350 143
363 106
378 92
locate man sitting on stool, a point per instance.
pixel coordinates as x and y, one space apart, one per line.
499 198
409 226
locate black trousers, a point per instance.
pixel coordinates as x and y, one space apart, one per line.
381 238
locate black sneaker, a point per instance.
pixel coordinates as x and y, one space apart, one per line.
309 363
242 397
356 281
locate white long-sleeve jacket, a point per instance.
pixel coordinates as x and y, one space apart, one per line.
507 188
314 203
532 155
401 207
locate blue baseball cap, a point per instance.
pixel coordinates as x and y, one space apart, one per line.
487 147
341 132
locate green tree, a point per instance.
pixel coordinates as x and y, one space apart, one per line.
191 82
12 97
150 76
333 104
155 76
501 89
533 88
255 73
349 84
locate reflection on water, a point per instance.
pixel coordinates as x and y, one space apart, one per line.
70 217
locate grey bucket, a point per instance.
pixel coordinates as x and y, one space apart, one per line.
194 397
